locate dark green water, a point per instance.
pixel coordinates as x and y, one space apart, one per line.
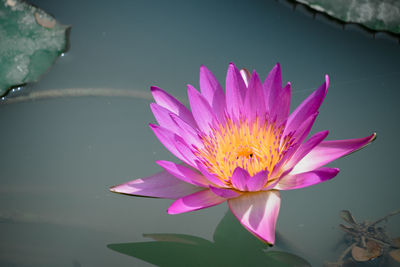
59 156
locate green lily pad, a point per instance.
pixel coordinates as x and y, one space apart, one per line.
31 40
377 15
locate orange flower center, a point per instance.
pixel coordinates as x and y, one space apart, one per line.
254 147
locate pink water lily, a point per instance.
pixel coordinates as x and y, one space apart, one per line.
240 146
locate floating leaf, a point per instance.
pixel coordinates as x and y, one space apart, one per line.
377 15
31 40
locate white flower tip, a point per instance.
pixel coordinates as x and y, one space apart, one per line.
373 136
112 189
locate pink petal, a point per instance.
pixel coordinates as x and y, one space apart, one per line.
184 173
258 181
281 106
309 106
254 101
171 103
224 192
160 185
186 131
185 151
328 151
258 213
169 140
303 129
212 91
235 92
196 201
175 124
305 148
239 179
211 177
299 135
163 117
202 112
272 86
305 179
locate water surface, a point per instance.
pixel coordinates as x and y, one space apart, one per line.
60 155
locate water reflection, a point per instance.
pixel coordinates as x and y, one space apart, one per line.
232 246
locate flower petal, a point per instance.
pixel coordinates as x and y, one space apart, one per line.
184 173
258 212
299 135
186 151
235 92
211 177
239 179
258 181
175 124
328 151
169 140
224 192
281 106
169 102
308 107
272 86
254 105
305 179
163 117
305 148
160 185
196 201
212 91
202 112
186 131
302 131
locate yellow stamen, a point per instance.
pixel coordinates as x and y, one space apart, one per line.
252 146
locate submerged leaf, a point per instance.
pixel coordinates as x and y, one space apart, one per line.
178 238
232 246
288 259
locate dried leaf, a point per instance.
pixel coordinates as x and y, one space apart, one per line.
372 251
396 242
360 254
395 254
347 217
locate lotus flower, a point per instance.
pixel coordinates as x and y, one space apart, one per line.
239 146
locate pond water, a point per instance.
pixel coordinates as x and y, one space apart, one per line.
60 155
